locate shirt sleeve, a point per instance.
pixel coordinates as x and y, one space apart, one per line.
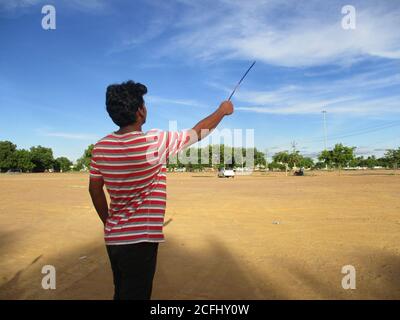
94 170
170 143
177 141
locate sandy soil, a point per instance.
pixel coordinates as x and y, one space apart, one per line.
222 242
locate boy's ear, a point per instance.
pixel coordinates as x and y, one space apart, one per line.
141 111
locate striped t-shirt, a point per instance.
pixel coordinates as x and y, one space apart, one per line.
133 167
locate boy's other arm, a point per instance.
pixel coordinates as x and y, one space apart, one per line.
99 198
205 126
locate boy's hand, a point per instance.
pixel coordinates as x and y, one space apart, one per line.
226 107
205 126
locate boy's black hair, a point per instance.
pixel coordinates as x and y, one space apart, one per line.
123 100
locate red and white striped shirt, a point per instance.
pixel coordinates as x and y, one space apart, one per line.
133 167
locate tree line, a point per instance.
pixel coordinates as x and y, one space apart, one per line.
36 159
40 159
338 157
217 156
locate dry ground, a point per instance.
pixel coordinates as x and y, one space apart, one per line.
221 242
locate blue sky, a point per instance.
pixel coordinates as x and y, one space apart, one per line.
190 54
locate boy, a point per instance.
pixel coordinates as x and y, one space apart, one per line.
132 166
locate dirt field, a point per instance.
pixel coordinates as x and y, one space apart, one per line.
222 242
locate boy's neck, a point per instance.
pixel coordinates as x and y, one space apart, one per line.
129 128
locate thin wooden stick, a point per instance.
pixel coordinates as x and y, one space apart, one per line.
238 84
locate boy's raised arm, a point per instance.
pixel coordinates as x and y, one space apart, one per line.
205 126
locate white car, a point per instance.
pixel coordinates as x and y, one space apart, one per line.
226 173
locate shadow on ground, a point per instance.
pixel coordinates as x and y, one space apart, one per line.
213 272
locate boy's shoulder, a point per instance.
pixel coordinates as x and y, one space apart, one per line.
108 138
113 138
154 131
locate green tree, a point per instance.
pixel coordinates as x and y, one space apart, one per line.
370 162
222 155
319 165
42 158
357 162
7 155
259 158
383 162
392 157
62 164
83 162
23 160
306 162
276 166
293 159
281 157
339 156
325 157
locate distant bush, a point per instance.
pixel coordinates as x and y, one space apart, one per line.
37 159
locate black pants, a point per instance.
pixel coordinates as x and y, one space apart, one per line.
133 267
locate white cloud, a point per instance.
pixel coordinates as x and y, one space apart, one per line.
166 101
68 135
286 33
349 105
368 93
81 5
302 103
89 6
267 97
10 5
